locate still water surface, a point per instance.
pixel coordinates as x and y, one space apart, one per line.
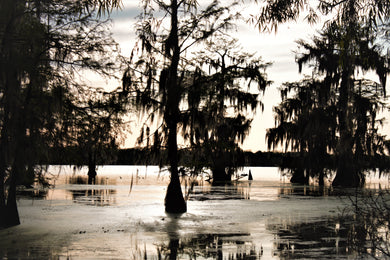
122 217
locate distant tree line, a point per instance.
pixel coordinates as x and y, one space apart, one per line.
145 156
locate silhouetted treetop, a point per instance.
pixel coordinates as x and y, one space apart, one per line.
46 47
335 111
276 12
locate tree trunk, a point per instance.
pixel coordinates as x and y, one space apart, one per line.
219 171
11 125
347 175
12 214
174 199
91 174
11 141
9 215
321 178
2 197
3 167
173 248
18 169
299 177
91 168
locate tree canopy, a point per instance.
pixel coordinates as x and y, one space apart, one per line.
222 96
335 112
162 70
44 49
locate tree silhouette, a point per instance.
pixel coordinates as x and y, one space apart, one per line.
91 125
373 13
157 76
306 124
357 50
41 45
345 123
218 105
354 24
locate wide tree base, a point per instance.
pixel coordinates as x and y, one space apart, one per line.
348 177
9 217
299 177
352 181
174 200
220 176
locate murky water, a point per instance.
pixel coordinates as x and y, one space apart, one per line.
122 217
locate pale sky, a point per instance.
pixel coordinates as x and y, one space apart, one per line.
277 48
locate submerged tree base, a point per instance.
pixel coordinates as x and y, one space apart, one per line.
220 176
299 177
348 178
9 217
174 200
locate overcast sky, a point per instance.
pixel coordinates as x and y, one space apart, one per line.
277 48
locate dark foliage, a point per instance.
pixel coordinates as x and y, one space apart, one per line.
335 112
42 45
157 76
219 102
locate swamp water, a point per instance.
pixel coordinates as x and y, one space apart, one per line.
122 217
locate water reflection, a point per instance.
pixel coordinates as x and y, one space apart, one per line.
320 239
304 190
210 246
231 191
371 233
33 252
92 195
78 179
34 193
181 239
253 190
257 211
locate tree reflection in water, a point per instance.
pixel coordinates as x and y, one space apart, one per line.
214 246
31 252
318 239
231 191
360 231
33 193
370 235
304 190
93 195
197 245
363 231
